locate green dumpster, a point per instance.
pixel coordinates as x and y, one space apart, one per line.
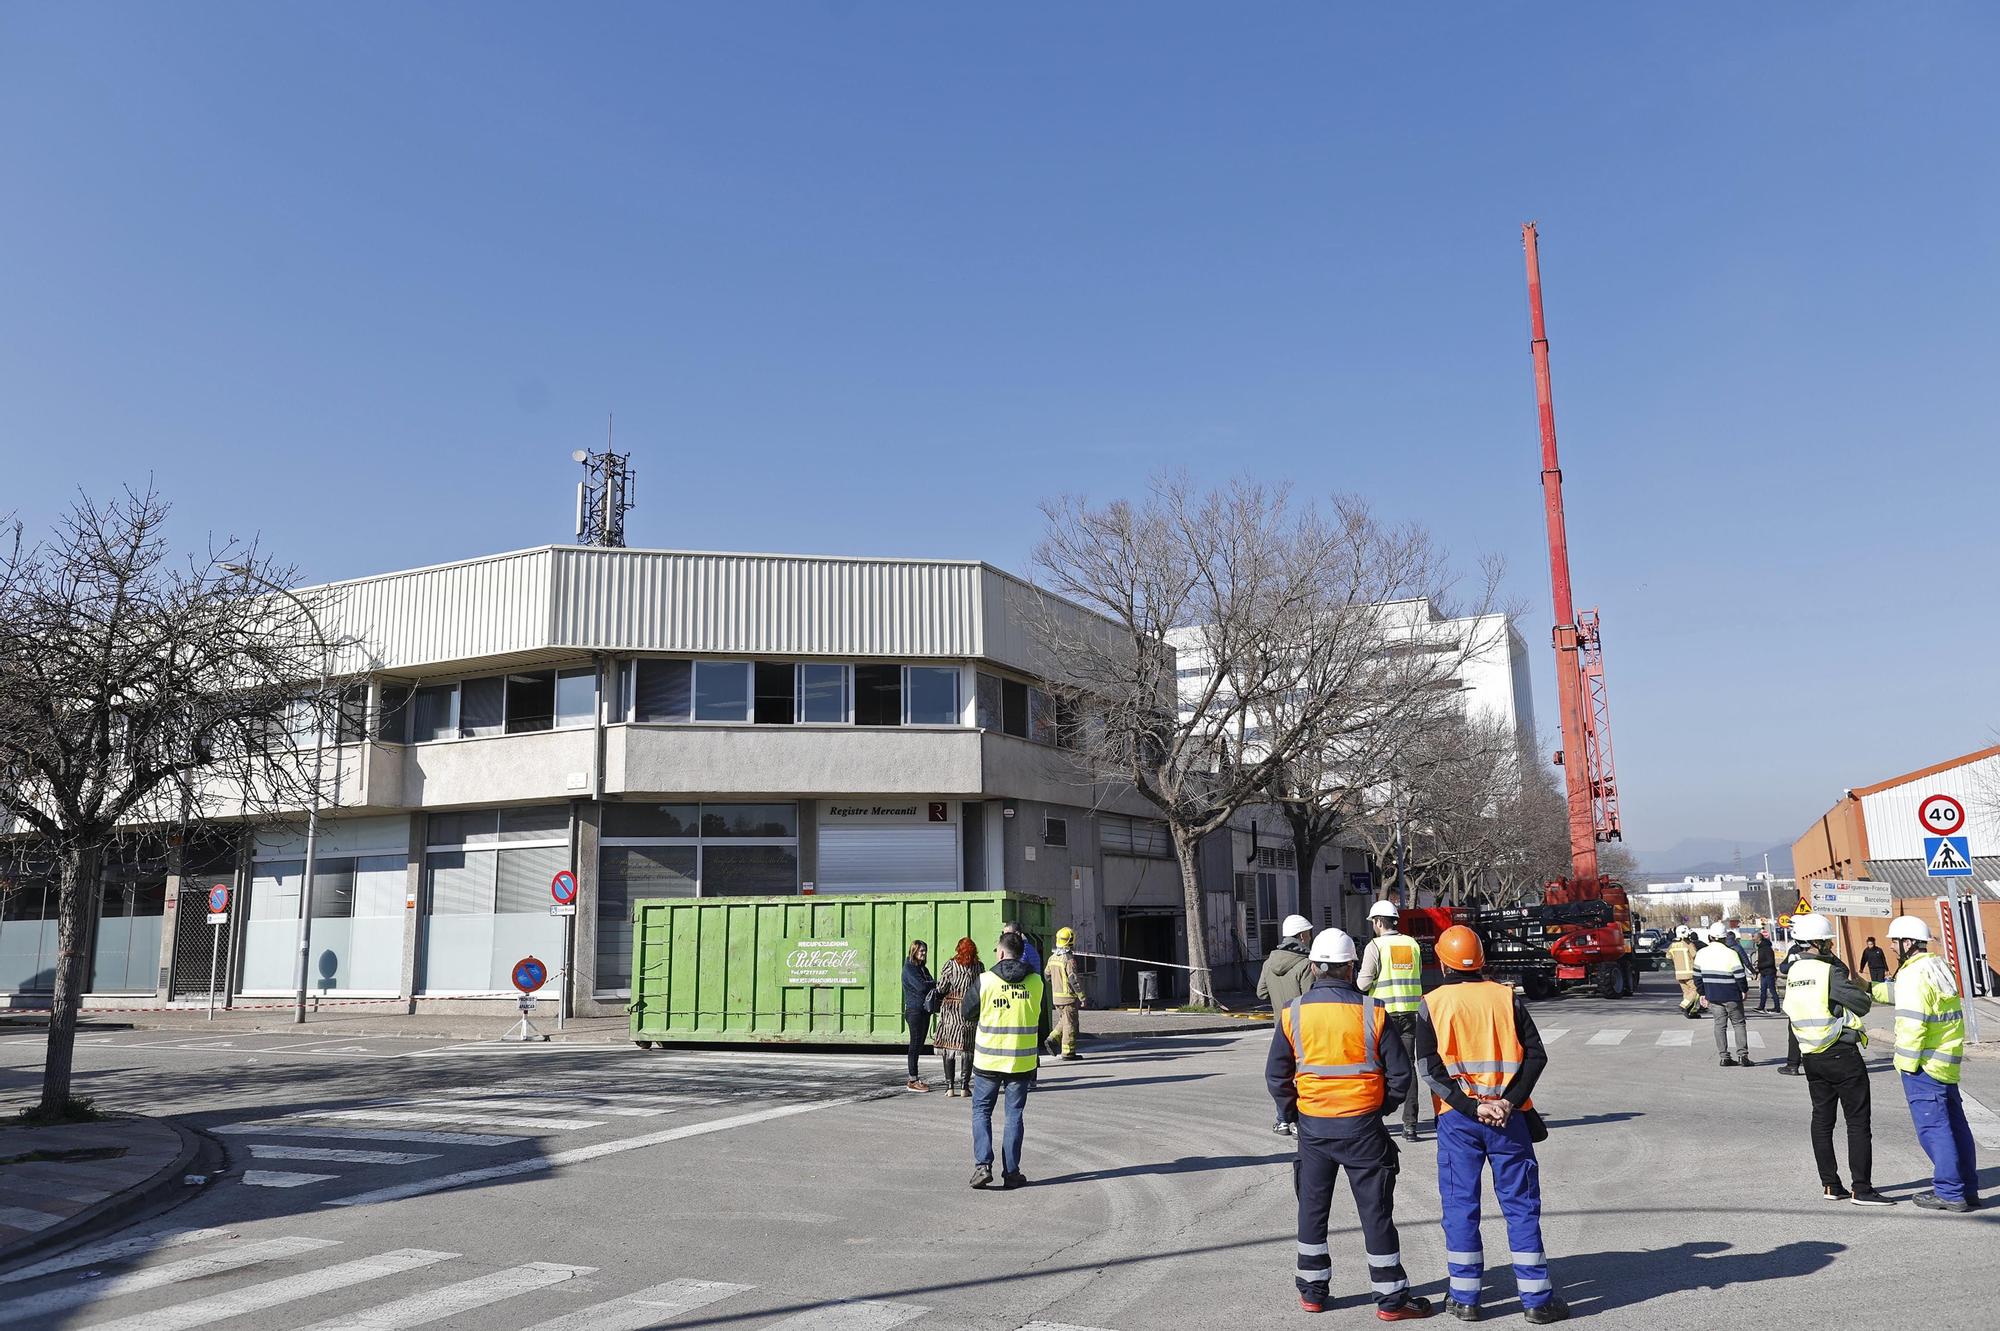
807 969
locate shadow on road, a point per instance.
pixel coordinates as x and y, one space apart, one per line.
1187 1164
1597 1282
1084 1083
1594 1120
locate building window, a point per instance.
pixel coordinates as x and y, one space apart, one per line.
662 690
932 692
1120 835
777 688
878 695
434 713
392 722
576 697
823 694
531 702
482 706
486 888
1014 708
722 690
1055 831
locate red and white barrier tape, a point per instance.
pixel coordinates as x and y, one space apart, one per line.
315 1006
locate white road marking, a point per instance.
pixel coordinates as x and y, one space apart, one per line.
264 1151
117 1248
579 1154
550 1106
282 1178
1985 1124
365 1134
1756 1039
437 1304
647 1308
1057 1326
21 1217
1675 1039
861 1315
436 1116
275 1293
43 1306
1550 1037
1613 1036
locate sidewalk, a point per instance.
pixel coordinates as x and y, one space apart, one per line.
58 1181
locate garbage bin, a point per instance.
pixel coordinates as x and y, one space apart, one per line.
1149 988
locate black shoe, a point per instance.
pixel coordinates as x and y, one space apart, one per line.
1869 1197
1072 1058
1791 1072
1833 1192
1409 1310
1727 1062
1464 1312
1282 1128
982 1176
1410 1135
1743 1061
1009 1182
1555 1310
1930 1201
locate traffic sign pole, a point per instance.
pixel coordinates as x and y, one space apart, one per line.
218 917
1944 818
562 888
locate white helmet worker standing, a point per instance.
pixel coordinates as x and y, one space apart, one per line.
1930 1043
1333 946
1812 929
1392 972
1286 975
1823 1009
1909 927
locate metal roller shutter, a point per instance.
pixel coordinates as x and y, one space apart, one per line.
888 859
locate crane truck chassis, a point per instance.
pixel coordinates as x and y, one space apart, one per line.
1544 949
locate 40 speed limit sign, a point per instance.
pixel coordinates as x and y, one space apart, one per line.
1941 815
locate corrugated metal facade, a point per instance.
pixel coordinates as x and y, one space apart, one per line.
565 598
1893 830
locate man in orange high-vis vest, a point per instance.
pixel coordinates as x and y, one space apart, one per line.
1478 1051
1337 1066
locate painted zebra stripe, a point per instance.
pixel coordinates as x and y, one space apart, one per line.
137 1245
365 1134
860 1315
276 1293
435 1305
542 1106
475 1117
1550 1037
266 1151
281 1178
1675 1039
647 1308
1608 1037
41 1307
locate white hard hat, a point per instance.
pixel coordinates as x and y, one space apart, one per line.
1683 932
1909 926
1384 910
1811 928
1295 925
1333 946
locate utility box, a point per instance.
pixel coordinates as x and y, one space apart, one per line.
822 969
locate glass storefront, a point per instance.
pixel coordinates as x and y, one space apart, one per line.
486 896
355 946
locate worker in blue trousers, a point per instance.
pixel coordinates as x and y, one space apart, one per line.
1479 1053
1930 1044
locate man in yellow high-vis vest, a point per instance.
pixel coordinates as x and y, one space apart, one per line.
1009 1021
1824 1007
1392 973
1930 1041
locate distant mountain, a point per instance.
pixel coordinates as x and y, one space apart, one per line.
1704 857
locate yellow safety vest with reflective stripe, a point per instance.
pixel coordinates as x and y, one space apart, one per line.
1930 1018
1809 1007
1682 955
1399 978
1010 1018
1062 976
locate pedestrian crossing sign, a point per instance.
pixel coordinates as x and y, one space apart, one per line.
1947 857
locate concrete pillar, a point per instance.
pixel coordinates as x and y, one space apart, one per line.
413 900
170 918
586 826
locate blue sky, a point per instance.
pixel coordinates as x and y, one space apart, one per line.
869 278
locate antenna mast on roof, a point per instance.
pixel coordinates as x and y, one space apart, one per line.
604 494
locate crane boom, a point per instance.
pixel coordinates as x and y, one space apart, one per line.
1590 784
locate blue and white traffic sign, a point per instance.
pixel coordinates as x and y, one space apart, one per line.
563 887
1947 857
218 899
530 974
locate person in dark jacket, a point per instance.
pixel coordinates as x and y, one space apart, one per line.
1287 974
918 986
1874 963
1767 973
1005 1054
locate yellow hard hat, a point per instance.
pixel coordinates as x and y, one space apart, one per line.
1065 936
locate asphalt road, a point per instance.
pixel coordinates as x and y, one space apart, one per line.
401 1183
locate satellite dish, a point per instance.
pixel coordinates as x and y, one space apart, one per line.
579 456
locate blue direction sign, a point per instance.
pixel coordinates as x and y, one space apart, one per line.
218 899
530 974
1947 857
563 887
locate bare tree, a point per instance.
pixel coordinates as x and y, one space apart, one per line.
1270 601
1454 790
138 694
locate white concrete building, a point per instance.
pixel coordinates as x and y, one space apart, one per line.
662 723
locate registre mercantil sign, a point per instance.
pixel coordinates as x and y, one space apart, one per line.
824 961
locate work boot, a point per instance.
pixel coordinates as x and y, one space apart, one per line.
1410 1135
1310 1305
1867 1196
914 1085
1727 1062
1017 1179
1282 1128
982 1176
1789 1071
1414 1307
1464 1312
1930 1201
1555 1310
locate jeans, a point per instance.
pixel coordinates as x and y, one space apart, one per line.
1405 1024
1938 1112
1767 990
986 1088
1729 1022
919 1022
1838 1078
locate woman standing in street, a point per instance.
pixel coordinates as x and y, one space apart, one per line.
956 977
919 991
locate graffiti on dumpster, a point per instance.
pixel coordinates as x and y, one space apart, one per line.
824 961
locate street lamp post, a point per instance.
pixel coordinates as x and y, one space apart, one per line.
312 805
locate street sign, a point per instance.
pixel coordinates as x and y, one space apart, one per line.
530 974
1948 856
1836 896
1805 907
218 898
562 910
563 887
1941 815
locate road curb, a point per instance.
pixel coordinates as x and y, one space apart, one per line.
120 1208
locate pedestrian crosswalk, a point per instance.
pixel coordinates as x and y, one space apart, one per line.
406 1288
1616 1037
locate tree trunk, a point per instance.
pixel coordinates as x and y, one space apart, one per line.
1201 988
79 876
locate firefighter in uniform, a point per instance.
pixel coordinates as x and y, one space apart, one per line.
1824 1008
1479 1052
1930 1041
1392 972
1338 1066
1065 995
1681 953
